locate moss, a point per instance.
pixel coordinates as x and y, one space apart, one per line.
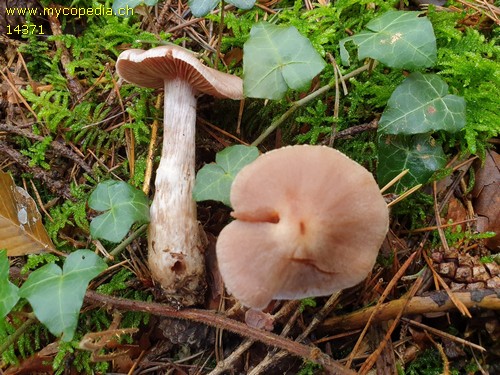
468 60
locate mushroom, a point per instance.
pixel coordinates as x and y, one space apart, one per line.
309 222
175 251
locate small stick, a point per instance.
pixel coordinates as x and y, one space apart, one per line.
442 334
431 228
299 103
222 131
11 339
127 241
39 200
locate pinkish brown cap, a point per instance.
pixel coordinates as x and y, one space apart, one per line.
152 67
309 222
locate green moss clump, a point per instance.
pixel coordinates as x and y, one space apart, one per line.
468 60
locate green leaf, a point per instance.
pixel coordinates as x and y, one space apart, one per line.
398 39
201 8
9 293
276 58
421 104
123 204
57 295
123 8
242 4
420 154
213 181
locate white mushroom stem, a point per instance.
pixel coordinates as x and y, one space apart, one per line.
175 249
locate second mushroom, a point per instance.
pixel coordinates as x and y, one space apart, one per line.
175 249
309 222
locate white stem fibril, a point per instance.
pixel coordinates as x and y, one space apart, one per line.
175 249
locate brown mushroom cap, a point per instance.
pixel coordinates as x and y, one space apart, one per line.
150 68
309 222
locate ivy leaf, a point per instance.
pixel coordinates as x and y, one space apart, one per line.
123 204
242 4
420 154
57 295
213 181
201 8
9 293
398 39
421 104
276 58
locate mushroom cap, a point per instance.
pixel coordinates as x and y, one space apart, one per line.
152 67
309 222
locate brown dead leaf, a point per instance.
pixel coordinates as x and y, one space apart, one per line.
38 363
487 199
234 56
35 364
456 211
21 228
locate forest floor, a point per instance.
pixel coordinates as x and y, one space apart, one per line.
67 122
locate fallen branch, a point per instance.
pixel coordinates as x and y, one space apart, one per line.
56 186
434 302
219 321
57 146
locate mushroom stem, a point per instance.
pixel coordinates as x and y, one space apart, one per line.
175 247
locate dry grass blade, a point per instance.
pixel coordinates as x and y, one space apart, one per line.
489 10
379 305
394 180
372 358
460 306
152 145
431 228
404 195
442 237
439 347
17 93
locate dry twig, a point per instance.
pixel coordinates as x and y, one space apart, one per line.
215 320
437 301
